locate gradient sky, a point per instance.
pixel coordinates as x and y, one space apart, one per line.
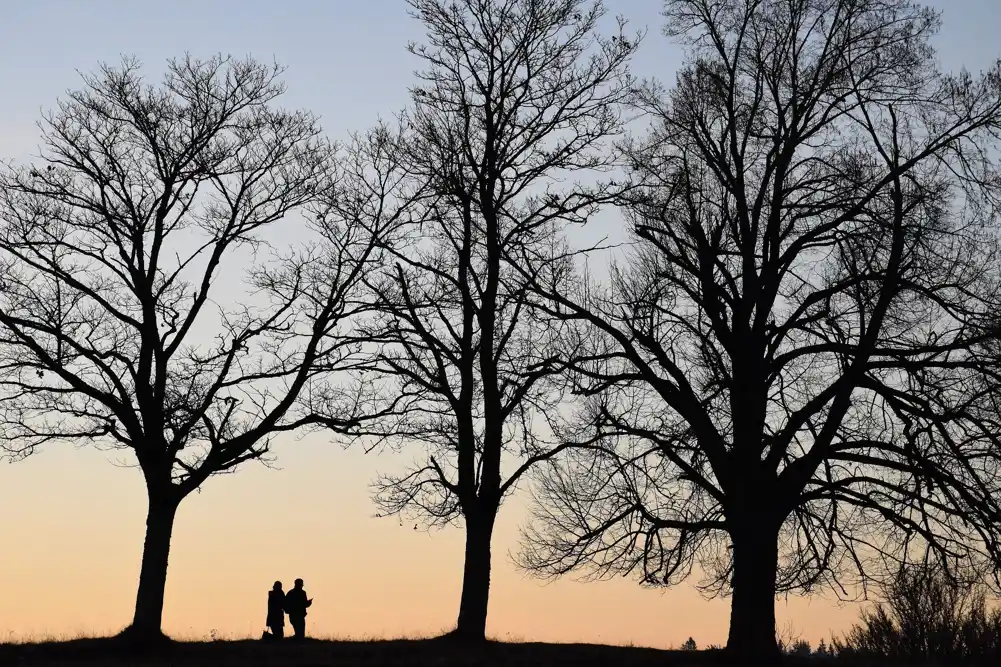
72 519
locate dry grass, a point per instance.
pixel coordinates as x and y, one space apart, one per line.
440 652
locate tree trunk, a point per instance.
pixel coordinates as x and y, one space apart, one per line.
472 623
153 575
752 608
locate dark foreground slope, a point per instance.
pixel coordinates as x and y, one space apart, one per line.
399 653
437 652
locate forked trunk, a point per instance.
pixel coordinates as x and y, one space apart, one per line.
146 622
752 609
472 623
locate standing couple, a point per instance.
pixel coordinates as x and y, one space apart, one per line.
293 603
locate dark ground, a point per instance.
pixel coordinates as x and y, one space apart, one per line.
436 652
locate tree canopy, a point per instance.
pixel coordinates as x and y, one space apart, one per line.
790 379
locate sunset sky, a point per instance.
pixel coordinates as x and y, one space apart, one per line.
72 518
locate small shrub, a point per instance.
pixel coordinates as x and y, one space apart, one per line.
926 614
824 650
690 645
801 647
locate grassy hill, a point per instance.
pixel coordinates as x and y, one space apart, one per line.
390 653
438 652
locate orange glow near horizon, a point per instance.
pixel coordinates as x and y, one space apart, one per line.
73 530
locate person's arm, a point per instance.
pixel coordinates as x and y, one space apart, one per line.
309 602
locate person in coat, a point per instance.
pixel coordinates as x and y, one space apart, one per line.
276 610
296 603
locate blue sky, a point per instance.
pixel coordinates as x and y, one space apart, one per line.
346 58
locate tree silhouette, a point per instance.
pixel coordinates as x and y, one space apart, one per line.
794 383
115 248
926 613
515 94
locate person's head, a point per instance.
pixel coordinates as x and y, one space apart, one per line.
298 583
277 586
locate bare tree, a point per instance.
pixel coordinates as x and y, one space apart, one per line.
516 95
792 385
117 248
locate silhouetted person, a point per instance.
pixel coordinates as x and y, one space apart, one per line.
276 610
296 603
